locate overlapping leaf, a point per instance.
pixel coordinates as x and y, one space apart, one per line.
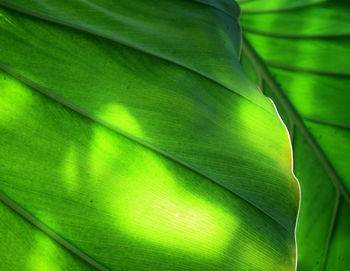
130 135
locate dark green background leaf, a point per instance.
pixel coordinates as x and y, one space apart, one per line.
303 64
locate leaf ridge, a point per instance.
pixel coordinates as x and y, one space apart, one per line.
276 10
52 234
294 36
309 70
331 229
327 122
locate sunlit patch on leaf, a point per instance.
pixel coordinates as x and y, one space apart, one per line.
155 208
260 125
152 206
70 170
41 254
115 113
12 105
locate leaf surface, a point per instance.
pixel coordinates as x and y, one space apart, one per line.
136 149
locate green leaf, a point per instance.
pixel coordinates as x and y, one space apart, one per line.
301 59
131 136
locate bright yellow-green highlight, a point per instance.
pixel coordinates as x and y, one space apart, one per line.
151 204
103 148
114 113
44 250
15 98
155 208
70 170
266 133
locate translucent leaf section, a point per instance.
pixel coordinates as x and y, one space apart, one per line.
122 204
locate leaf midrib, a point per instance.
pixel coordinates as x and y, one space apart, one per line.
58 99
84 113
49 232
